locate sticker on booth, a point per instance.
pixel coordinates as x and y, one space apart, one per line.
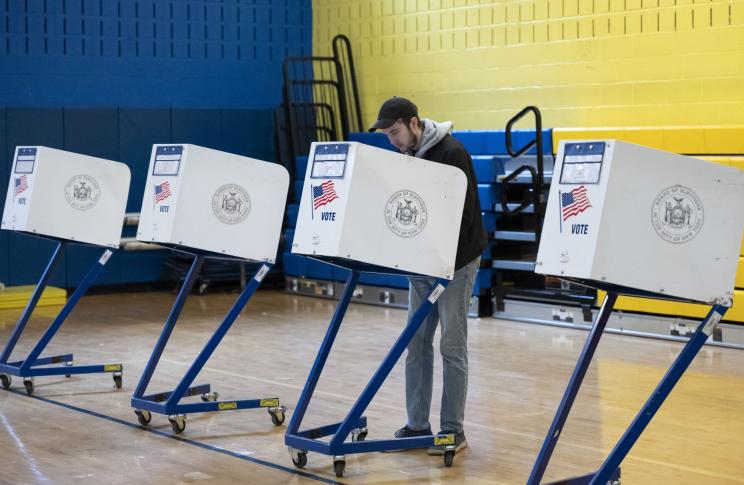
20 185
574 203
677 214
82 192
231 204
405 213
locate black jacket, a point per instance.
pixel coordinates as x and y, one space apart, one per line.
473 238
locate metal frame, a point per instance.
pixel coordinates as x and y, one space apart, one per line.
355 424
609 471
29 368
168 403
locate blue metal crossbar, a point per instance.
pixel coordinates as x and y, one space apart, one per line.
168 403
29 367
354 424
609 472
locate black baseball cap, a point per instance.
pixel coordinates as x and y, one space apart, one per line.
392 110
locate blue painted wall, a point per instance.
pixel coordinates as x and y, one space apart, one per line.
109 78
149 53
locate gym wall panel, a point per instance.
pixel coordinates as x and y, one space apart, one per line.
28 256
584 63
147 53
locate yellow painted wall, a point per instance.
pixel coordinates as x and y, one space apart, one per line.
583 62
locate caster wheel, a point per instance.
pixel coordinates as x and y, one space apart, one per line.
6 380
299 458
68 364
28 383
449 457
277 415
178 423
359 434
339 465
117 381
143 416
210 396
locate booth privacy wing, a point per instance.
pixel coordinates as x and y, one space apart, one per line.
635 217
214 201
66 195
379 207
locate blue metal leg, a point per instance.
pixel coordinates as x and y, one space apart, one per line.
322 357
26 315
386 366
57 323
217 337
572 390
662 391
170 324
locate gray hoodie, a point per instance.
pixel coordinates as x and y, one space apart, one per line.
433 134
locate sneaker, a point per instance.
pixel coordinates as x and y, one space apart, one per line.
460 443
406 432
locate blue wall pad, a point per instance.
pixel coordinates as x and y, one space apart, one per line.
482 281
489 220
292 212
30 255
375 139
387 281
298 190
300 167
488 195
487 168
4 177
139 130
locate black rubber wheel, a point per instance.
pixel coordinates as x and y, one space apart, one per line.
449 457
338 468
144 417
6 380
362 436
277 417
29 385
178 428
301 460
68 364
117 382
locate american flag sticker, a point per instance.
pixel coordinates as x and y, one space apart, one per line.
574 202
162 192
21 184
323 194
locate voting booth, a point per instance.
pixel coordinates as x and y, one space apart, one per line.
638 221
208 204
67 198
371 210
213 201
375 206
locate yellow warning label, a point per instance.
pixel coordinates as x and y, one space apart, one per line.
444 440
269 403
223 406
112 368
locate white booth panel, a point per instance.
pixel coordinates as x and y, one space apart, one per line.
214 201
379 207
627 215
66 195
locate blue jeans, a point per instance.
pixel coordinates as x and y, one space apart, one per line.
451 310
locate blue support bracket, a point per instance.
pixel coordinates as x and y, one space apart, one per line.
354 424
29 368
609 472
168 403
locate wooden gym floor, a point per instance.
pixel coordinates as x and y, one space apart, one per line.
81 430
